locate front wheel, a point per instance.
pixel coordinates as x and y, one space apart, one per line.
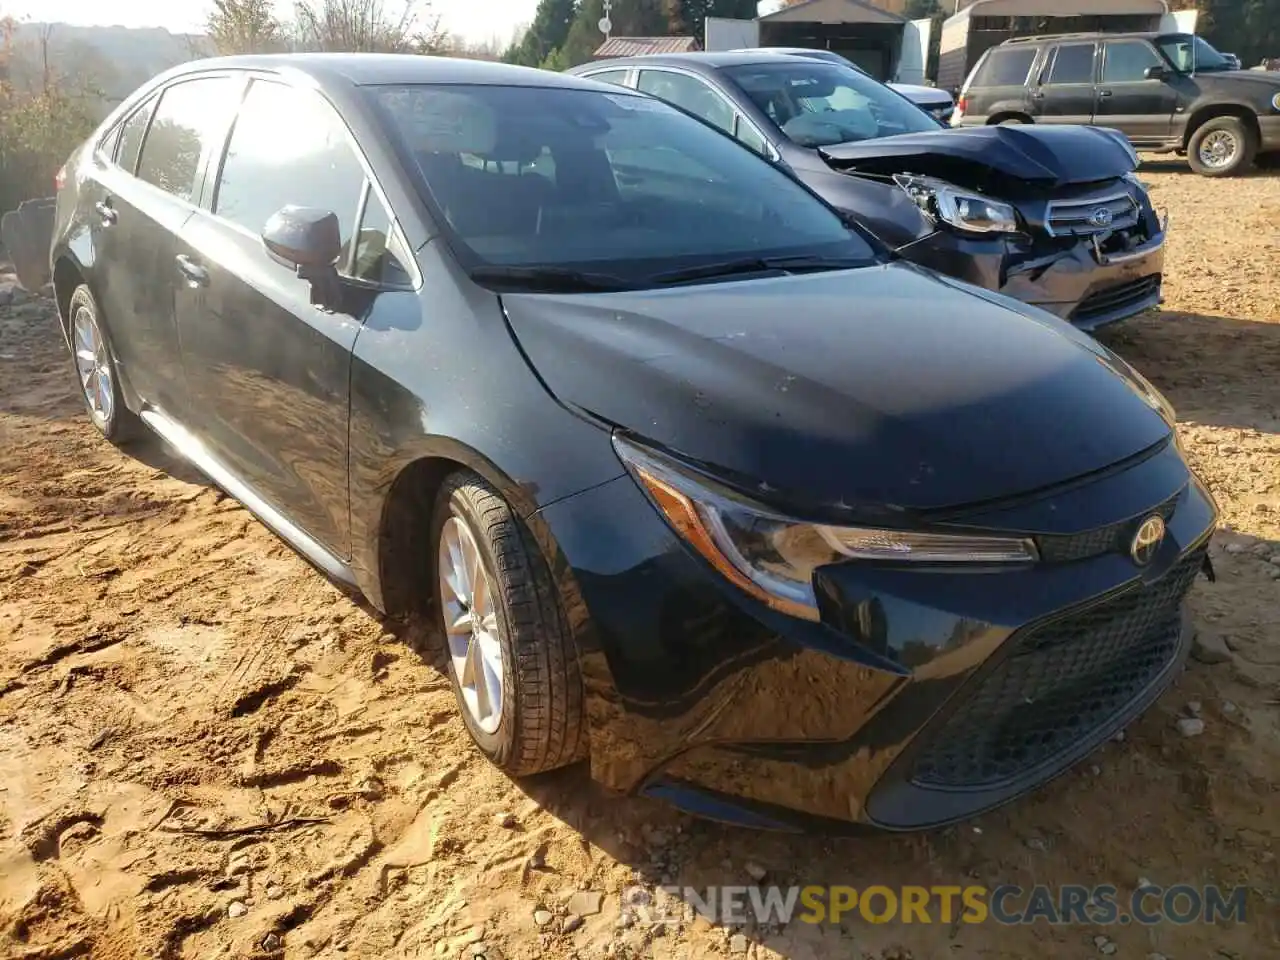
511 658
1221 147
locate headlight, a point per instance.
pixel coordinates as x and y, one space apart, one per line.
965 210
773 557
1275 101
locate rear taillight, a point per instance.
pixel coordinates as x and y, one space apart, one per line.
963 103
60 180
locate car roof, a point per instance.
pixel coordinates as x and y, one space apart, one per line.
707 62
371 69
1055 37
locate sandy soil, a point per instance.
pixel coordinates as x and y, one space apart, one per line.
206 750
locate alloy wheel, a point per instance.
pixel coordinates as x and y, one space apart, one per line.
471 624
93 363
1218 149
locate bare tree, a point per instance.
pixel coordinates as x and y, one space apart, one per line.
403 26
244 26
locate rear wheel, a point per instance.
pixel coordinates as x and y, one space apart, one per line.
511 659
1221 147
1012 121
96 370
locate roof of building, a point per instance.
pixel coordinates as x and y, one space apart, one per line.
833 11
643 46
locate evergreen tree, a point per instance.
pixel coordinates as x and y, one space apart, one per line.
547 33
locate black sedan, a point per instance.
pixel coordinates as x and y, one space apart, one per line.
689 475
1053 217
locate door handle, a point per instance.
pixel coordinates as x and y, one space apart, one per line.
1037 95
106 212
196 275
1104 93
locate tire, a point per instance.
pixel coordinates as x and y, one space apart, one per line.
1221 147
538 724
97 375
1013 122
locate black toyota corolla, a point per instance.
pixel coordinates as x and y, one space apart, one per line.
691 477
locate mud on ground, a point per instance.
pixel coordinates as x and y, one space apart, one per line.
206 750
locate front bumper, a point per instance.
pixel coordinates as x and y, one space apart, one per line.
906 707
1078 281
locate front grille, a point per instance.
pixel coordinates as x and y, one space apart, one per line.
1059 685
1113 299
1066 218
1113 538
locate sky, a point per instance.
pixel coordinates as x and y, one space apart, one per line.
476 20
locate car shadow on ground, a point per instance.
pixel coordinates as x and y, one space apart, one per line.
1234 381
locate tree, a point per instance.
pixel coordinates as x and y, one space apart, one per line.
244 26
368 26
919 9
547 33
690 16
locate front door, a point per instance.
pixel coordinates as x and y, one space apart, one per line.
1139 108
1066 91
268 370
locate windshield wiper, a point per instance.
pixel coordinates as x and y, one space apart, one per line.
549 279
728 268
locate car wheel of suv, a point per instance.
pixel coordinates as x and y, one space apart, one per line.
511 659
96 370
1221 147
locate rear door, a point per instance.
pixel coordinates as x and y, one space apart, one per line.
998 86
144 199
1068 85
270 371
1139 108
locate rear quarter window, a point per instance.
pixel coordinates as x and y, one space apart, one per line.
1005 67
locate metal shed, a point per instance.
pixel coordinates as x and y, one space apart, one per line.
983 24
884 44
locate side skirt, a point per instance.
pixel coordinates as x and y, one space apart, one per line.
192 449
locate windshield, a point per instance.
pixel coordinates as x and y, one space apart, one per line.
1193 54
818 104
611 183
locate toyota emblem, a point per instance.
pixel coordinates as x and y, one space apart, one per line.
1147 540
1101 217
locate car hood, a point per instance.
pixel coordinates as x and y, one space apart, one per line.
1043 157
878 390
1229 78
921 94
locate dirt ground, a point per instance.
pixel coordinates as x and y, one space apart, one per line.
206 750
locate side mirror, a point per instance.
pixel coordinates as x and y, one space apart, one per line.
309 240
1156 72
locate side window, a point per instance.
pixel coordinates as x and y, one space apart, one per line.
750 137
131 135
1128 61
108 142
617 77
190 116
1006 67
690 94
1072 63
288 146
379 256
